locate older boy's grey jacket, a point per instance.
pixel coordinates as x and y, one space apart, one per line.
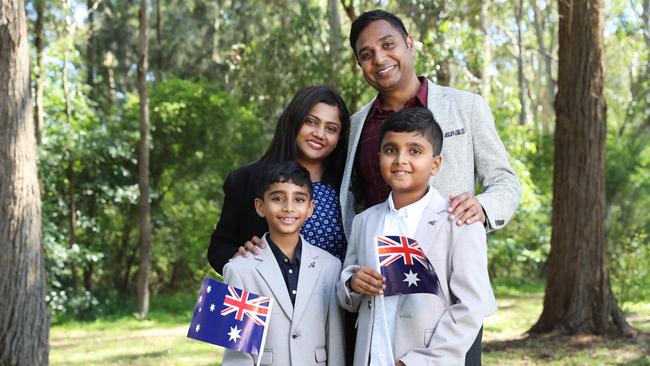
429 329
472 150
309 333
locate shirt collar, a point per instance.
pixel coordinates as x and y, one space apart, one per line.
414 208
421 96
279 255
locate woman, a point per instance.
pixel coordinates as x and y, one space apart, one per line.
313 130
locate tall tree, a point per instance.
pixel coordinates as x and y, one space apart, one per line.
578 297
68 34
24 320
519 9
335 38
143 163
487 51
39 37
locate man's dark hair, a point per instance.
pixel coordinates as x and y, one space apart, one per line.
283 144
418 120
368 17
283 172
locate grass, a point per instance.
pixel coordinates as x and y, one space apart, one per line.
121 339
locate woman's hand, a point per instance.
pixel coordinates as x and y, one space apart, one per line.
250 246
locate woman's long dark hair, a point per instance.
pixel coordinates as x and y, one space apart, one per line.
283 145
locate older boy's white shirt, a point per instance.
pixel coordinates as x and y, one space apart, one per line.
402 222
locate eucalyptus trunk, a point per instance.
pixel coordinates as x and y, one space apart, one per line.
578 297
143 165
24 319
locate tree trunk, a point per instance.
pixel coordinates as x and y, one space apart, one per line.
519 8
544 51
143 163
40 63
24 319
90 46
487 51
335 38
578 297
72 207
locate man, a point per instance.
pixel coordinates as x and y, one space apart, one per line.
472 150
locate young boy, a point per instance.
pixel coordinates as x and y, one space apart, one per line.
415 329
306 324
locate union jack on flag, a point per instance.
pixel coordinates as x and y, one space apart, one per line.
405 266
230 317
243 303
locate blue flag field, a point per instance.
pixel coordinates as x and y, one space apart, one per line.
230 317
405 266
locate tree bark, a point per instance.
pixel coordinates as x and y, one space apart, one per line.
143 163
24 319
40 63
578 297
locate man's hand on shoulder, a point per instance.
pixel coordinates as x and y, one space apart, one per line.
252 246
465 209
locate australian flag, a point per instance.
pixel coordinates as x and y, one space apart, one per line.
230 317
406 268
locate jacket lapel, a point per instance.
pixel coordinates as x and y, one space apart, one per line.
373 231
310 268
356 126
433 217
270 271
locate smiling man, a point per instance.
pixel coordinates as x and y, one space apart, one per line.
472 150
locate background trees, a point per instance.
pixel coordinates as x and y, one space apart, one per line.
221 71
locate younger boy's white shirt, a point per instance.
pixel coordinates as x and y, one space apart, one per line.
402 222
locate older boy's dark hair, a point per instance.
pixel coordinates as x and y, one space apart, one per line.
418 120
368 17
283 172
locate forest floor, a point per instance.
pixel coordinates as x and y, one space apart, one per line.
161 340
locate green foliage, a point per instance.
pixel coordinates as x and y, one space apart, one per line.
221 73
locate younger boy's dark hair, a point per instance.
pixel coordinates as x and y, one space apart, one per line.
418 120
368 17
283 172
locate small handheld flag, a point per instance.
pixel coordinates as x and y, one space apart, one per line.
406 268
230 317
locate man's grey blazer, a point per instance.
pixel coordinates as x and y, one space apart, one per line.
429 329
471 151
311 333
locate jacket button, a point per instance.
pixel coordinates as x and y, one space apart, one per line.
295 334
369 304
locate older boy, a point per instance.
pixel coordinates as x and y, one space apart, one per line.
415 329
306 324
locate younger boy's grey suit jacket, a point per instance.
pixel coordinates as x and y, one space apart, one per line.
472 151
430 329
311 333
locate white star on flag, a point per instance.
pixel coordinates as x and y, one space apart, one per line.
200 298
208 289
412 278
198 326
212 307
234 334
